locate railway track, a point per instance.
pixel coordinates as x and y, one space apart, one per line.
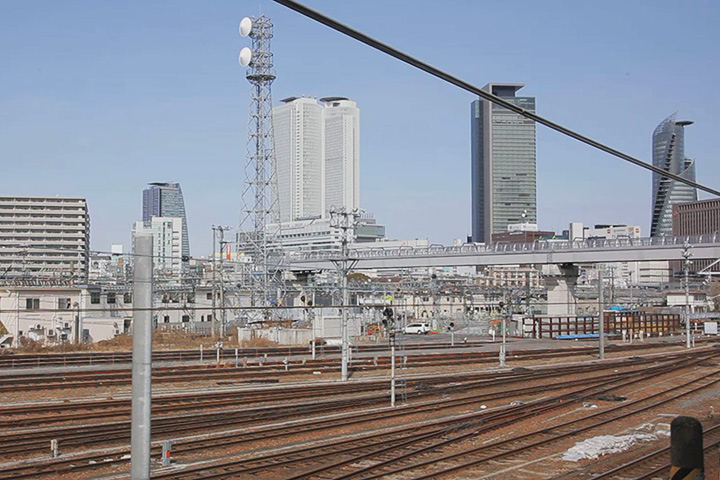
350 459
27 440
352 418
269 372
37 360
226 354
47 413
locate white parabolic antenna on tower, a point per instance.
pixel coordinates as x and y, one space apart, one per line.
245 56
245 27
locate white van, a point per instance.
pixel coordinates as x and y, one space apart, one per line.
418 328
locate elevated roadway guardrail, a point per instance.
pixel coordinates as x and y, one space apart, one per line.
538 252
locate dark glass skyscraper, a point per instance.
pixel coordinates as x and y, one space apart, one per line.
669 154
504 186
166 200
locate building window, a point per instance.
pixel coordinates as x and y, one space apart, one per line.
64 304
186 318
32 304
209 296
111 298
166 319
127 298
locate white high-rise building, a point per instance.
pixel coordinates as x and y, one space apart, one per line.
299 145
317 149
342 153
167 242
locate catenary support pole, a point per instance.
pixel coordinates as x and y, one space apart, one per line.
142 358
601 315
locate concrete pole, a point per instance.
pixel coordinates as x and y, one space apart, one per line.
142 358
601 319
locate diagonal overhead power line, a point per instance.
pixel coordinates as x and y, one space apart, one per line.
404 57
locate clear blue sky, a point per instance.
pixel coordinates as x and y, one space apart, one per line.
99 98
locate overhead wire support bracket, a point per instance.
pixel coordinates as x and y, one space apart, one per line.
404 57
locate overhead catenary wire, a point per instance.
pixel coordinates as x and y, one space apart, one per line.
436 72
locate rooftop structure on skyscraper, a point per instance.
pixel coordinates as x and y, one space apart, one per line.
668 144
503 163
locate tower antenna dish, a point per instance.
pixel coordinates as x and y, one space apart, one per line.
245 56
245 27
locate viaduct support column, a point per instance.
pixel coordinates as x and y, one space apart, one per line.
561 282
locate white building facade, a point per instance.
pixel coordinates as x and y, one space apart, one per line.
317 150
167 242
299 152
342 153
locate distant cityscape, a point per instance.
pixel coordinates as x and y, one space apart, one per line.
46 262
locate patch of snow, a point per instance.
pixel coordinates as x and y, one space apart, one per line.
603 445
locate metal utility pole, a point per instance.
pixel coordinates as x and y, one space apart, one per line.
503 351
223 312
345 221
260 225
392 369
528 292
435 284
77 321
686 267
214 285
601 315
142 357
390 326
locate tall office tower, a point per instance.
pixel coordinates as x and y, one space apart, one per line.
504 187
298 126
342 153
44 237
669 154
166 200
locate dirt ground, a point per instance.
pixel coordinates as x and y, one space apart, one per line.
161 341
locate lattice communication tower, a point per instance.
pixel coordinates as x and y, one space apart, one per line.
260 223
